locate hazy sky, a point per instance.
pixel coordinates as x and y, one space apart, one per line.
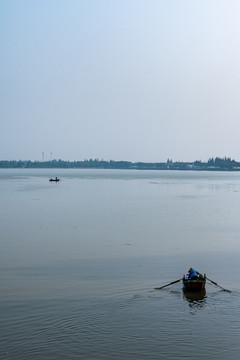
138 80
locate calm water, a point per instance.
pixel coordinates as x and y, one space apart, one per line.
79 261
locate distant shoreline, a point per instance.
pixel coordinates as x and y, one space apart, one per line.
213 164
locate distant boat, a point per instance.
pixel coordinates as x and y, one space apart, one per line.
194 284
56 179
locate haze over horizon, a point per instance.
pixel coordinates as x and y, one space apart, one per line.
132 80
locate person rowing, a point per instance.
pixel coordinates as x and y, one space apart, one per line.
192 274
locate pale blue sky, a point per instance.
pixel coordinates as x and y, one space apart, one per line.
138 80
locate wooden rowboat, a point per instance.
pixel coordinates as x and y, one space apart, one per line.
194 284
56 179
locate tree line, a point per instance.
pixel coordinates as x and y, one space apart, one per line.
221 164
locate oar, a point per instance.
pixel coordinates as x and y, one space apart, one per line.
174 282
217 285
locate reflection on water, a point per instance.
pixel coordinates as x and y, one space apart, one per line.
196 299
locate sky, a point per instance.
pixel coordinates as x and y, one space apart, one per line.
135 80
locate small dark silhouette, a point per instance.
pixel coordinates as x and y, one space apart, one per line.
56 179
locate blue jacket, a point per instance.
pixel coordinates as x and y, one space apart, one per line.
192 274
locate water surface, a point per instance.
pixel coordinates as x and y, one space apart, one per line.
80 260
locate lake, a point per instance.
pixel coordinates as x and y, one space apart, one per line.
80 259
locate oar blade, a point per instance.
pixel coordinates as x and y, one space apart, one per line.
213 282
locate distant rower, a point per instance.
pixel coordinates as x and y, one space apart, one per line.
56 179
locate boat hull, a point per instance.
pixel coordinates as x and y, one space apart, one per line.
193 285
